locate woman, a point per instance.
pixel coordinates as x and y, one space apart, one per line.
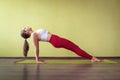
56 41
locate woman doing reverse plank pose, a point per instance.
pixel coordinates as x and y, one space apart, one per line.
55 40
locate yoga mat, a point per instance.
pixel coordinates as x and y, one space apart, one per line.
65 62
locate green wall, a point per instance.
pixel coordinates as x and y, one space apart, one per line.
92 24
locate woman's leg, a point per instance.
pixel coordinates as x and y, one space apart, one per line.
59 42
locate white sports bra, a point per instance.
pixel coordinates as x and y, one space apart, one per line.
43 34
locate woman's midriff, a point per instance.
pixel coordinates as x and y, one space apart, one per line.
49 36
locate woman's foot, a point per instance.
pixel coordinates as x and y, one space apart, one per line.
94 59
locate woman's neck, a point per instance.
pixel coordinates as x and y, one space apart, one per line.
31 31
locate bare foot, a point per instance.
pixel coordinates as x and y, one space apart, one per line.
94 59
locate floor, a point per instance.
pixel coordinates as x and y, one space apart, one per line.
11 71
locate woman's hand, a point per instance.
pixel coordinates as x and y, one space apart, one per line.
40 62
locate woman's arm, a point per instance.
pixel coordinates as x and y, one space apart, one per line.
36 45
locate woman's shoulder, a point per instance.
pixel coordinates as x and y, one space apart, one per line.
34 34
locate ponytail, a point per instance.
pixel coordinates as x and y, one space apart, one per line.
25 48
26 45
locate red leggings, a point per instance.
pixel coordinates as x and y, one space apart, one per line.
59 42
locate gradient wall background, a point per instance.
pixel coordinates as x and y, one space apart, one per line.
92 24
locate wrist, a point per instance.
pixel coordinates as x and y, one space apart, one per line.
37 59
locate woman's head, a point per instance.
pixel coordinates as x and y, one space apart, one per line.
26 33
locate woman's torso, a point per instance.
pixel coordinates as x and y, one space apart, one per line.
43 35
